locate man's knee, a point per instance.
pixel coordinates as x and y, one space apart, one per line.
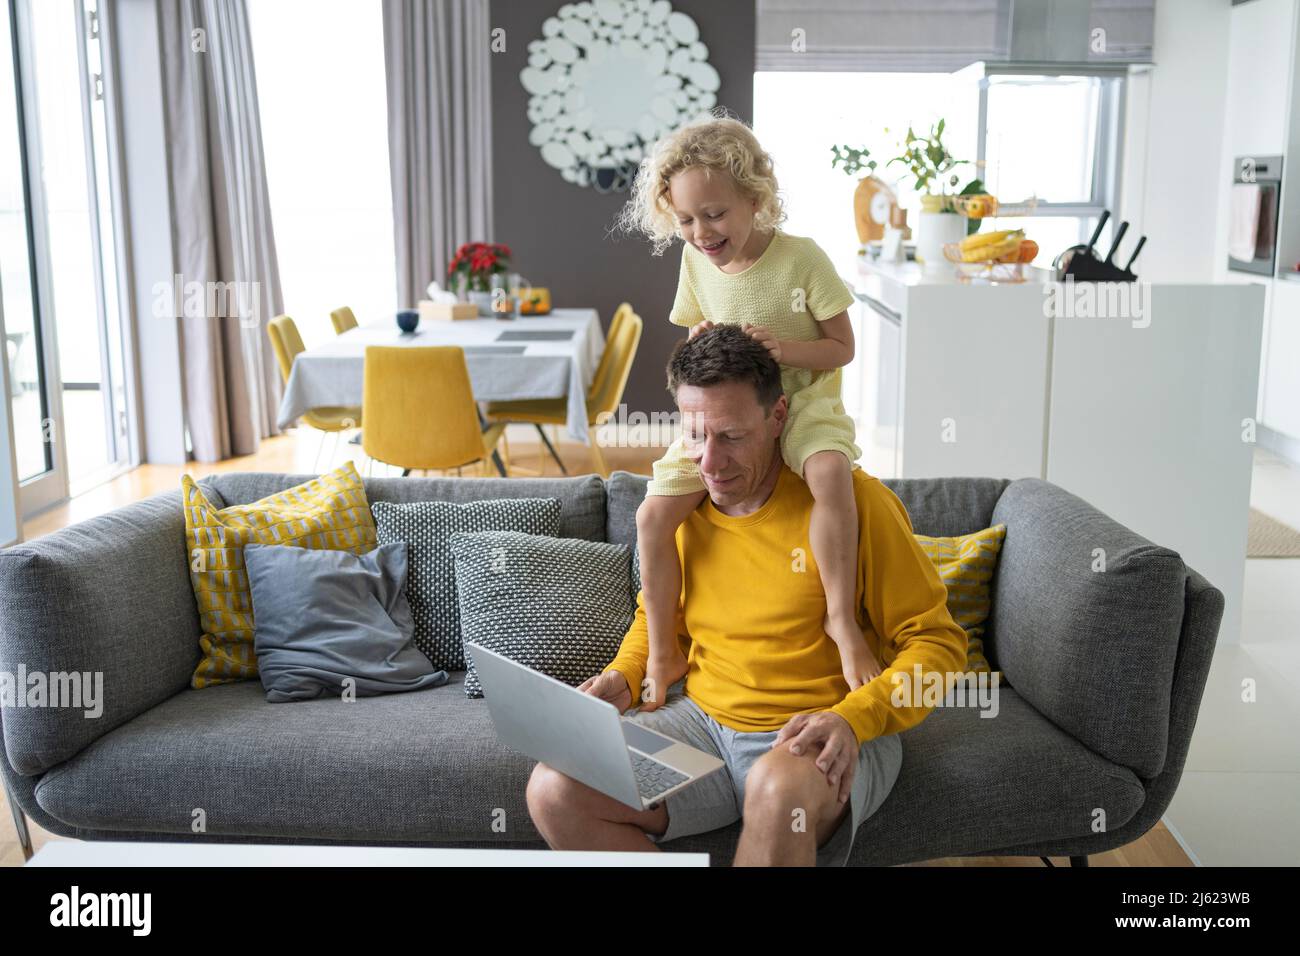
789 788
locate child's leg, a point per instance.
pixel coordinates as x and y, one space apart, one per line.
833 533
657 521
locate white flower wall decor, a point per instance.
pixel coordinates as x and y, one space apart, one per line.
608 78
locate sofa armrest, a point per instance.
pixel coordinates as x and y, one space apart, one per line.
1085 622
108 600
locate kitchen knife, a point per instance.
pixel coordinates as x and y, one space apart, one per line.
1136 249
1114 246
1096 233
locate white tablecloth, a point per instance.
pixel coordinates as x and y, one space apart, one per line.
499 369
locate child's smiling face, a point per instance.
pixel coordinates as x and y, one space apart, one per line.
711 214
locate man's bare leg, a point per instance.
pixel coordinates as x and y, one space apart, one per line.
779 784
573 816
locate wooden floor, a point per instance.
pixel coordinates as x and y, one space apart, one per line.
292 453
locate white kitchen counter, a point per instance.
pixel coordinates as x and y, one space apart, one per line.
1141 413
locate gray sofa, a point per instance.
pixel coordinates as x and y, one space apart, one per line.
1104 671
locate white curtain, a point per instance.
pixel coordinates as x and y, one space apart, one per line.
437 60
221 223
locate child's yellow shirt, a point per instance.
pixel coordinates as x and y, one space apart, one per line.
750 617
790 289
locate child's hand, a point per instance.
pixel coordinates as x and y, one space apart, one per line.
759 334
661 674
698 328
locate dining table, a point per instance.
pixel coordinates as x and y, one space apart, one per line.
546 356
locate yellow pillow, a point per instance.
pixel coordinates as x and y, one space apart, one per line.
966 565
327 513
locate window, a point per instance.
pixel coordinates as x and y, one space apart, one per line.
62 314
326 148
1053 138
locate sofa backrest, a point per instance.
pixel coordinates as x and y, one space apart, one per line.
582 499
940 507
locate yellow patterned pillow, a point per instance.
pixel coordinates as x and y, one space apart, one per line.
966 565
327 513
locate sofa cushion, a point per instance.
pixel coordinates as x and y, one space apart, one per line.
420 766
582 499
426 767
1086 621
966 564
426 527
330 622
329 512
556 605
111 596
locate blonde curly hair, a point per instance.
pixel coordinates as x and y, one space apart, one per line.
714 141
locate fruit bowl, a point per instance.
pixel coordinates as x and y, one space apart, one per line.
992 271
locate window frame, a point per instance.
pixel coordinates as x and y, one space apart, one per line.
1106 181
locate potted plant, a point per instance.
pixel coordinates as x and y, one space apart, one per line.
931 164
471 269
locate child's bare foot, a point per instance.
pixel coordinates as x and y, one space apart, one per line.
662 673
858 663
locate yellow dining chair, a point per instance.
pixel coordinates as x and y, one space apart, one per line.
603 397
597 381
333 419
420 411
343 320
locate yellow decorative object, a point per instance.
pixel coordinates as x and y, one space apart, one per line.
534 300
329 513
966 564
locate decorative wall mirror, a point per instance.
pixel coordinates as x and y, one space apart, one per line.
607 79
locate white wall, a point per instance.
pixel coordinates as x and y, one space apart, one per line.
1174 127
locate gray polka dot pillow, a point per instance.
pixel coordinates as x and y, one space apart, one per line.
558 605
425 527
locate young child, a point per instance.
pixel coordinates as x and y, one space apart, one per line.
712 183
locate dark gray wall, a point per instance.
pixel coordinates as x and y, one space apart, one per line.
558 232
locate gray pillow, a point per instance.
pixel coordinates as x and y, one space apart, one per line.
322 617
431 582
558 605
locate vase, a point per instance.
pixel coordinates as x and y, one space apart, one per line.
935 228
484 302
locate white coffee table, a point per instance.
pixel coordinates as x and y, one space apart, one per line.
80 853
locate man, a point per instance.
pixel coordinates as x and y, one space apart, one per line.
806 759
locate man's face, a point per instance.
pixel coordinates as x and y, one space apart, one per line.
728 435
711 215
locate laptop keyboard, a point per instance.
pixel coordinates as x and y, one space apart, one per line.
652 777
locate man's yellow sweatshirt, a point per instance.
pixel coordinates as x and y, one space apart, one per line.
750 619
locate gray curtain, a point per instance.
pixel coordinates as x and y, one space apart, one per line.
221 225
437 60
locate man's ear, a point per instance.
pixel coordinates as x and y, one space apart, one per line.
780 410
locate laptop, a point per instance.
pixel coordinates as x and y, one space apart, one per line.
585 737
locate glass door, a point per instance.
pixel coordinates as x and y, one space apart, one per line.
61 279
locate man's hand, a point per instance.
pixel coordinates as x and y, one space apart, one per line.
698 328
766 338
830 736
611 686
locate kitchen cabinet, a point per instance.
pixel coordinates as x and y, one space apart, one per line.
1144 413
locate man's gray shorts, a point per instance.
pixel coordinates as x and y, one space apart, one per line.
717 800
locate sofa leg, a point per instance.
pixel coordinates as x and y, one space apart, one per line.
20 824
1078 861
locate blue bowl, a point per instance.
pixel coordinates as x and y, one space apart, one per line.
408 319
